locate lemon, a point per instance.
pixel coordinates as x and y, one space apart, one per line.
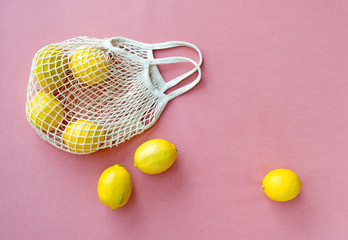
50 64
44 111
281 185
115 186
83 136
89 65
155 156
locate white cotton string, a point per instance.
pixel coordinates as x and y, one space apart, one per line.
85 94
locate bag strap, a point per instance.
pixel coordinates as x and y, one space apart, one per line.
172 44
166 60
169 60
175 81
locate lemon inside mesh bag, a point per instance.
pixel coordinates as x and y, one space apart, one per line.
50 67
86 94
89 65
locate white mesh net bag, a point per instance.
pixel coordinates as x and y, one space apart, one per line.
85 94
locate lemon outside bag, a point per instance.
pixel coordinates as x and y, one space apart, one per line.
85 94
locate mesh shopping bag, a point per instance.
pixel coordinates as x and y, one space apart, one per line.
85 94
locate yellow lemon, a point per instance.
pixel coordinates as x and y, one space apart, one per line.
115 186
281 185
45 111
89 65
155 156
50 64
83 136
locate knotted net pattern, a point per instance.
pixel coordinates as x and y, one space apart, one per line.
82 96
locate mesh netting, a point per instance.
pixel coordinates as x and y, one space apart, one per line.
84 95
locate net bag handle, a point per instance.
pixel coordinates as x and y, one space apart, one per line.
166 60
172 44
175 81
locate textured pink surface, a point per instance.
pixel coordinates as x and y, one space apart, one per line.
274 94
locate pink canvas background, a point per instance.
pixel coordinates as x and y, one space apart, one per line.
274 94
